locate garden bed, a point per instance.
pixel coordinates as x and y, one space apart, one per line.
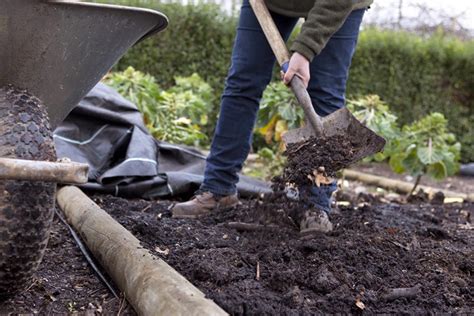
375 250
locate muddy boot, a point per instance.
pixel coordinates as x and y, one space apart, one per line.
203 204
315 221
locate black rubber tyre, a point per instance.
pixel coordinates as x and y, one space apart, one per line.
26 208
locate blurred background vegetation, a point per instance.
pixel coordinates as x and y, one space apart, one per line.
412 82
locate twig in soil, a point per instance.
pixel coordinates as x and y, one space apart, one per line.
400 245
249 226
122 305
94 292
257 277
402 292
300 146
146 208
31 285
86 254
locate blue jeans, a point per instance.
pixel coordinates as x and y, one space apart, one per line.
250 73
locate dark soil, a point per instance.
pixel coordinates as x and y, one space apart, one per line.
359 267
373 250
304 158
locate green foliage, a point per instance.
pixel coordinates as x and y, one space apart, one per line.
279 111
423 147
426 147
199 39
269 162
417 76
175 115
375 114
196 98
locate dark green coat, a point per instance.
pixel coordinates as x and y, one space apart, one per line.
323 19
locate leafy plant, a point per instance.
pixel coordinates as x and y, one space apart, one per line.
175 115
195 97
269 162
279 111
422 148
426 148
371 111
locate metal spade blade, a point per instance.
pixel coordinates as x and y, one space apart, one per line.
364 142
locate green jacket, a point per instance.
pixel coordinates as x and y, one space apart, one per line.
323 19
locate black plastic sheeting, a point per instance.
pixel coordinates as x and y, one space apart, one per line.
107 132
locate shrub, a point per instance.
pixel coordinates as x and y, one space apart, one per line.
198 39
425 147
175 115
418 76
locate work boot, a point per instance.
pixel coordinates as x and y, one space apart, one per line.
315 221
203 204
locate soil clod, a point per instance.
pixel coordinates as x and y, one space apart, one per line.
330 153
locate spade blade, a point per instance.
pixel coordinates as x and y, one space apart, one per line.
364 142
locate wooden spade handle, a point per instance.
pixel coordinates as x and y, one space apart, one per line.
283 56
271 32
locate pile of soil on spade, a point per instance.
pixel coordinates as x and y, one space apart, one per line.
331 153
373 252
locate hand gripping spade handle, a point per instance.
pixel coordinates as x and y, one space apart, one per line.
283 57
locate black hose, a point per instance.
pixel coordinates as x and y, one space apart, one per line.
87 255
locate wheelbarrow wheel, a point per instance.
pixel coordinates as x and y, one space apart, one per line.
26 208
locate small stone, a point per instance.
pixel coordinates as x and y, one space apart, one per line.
459 282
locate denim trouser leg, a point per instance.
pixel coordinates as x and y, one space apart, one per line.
250 73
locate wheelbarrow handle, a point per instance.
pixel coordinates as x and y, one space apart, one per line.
283 56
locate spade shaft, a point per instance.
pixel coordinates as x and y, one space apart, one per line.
283 56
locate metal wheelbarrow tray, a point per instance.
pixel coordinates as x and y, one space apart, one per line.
51 54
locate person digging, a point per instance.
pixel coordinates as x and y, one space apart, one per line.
321 57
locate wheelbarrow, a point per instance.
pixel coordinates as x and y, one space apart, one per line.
51 54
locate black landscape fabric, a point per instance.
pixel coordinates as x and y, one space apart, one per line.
107 132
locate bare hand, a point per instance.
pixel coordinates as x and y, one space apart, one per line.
298 66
